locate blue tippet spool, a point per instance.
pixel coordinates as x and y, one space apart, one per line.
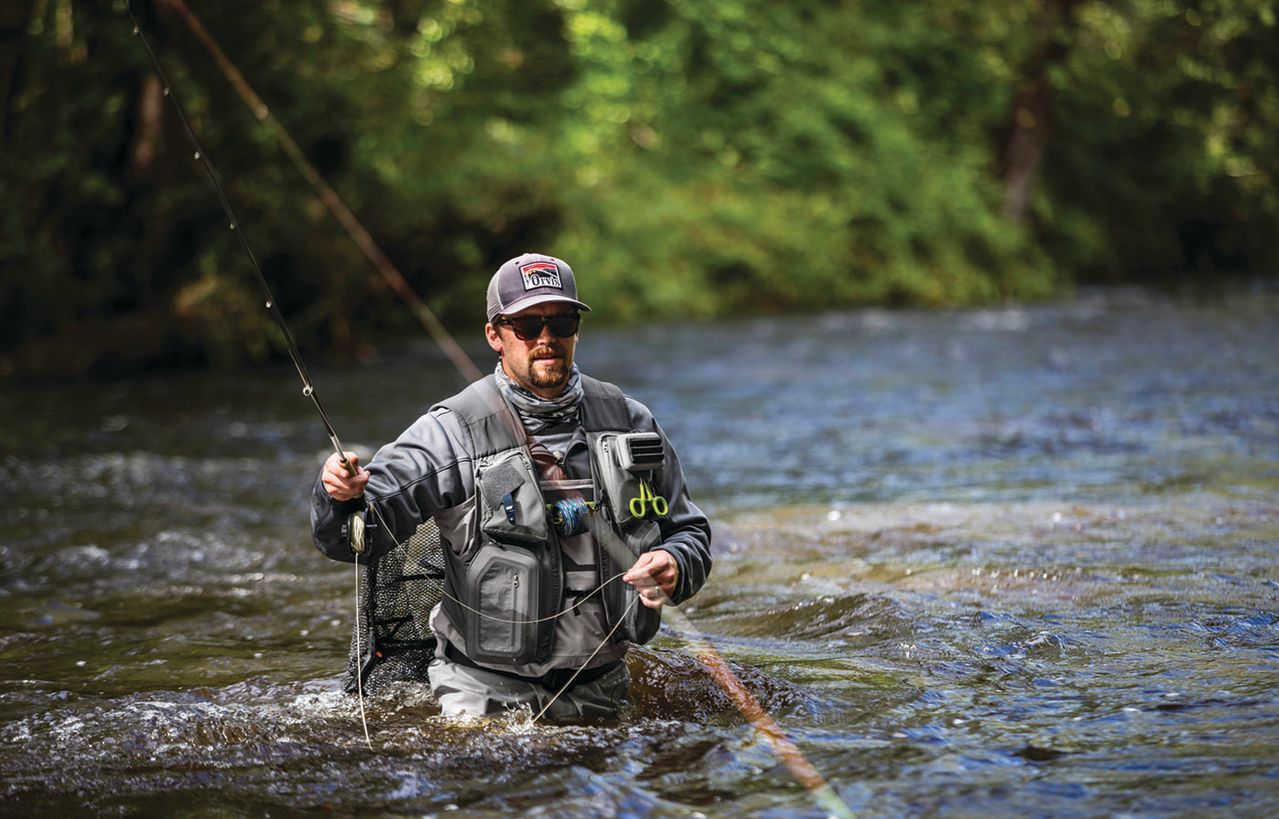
569 516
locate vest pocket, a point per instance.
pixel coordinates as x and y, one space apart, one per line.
502 583
457 526
511 507
619 486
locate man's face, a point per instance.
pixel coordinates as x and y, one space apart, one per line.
542 363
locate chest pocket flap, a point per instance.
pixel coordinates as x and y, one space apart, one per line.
512 510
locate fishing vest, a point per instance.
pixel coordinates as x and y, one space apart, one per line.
502 554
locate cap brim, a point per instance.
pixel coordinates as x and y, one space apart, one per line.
542 298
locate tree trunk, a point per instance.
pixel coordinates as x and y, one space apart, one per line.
1032 111
14 19
148 117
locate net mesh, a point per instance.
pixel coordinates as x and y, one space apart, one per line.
397 592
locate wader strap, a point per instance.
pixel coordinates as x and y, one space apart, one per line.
603 407
491 424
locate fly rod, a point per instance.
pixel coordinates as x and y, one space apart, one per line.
360 236
201 156
716 667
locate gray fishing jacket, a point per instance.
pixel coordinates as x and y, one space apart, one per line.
434 470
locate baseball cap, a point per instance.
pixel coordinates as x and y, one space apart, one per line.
531 279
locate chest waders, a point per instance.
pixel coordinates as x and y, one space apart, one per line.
502 556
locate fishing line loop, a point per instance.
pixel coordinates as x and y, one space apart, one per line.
381 521
308 388
799 766
372 504
583 666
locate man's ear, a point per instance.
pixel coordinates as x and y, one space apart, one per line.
493 337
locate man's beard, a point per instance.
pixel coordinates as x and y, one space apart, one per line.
544 376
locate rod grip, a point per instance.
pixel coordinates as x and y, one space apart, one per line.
337 447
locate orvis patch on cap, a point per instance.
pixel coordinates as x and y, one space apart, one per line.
528 280
541 274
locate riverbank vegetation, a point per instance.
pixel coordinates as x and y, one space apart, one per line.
696 158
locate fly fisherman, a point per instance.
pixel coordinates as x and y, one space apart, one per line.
546 485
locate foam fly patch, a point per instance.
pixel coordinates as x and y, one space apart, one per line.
499 481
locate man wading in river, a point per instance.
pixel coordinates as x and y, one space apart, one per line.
546 486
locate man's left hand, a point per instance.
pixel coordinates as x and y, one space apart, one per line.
654 576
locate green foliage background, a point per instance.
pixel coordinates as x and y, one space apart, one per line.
690 159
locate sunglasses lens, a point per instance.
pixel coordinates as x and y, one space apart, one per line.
562 326
527 328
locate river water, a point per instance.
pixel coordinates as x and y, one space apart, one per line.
993 562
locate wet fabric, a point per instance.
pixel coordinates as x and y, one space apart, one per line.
466 691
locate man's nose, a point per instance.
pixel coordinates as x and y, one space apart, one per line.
545 334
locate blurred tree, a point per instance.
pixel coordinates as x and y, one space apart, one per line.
692 159
1166 150
1032 112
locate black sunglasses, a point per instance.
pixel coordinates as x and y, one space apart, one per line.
527 328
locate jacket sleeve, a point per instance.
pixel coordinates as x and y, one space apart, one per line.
423 471
686 533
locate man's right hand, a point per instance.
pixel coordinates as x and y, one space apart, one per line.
341 484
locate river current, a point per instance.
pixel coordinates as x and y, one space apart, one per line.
998 562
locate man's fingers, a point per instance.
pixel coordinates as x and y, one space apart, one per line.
652 597
335 466
637 573
653 575
339 482
650 591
